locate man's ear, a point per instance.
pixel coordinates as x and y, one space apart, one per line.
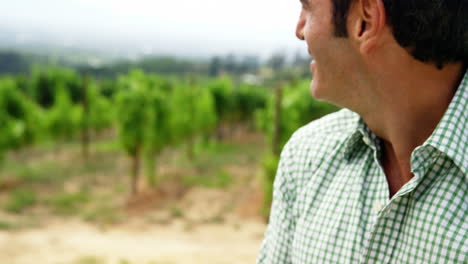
368 22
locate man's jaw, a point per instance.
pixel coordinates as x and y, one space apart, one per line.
312 67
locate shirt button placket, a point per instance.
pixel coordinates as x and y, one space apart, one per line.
383 212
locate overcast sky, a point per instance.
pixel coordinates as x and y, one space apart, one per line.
185 27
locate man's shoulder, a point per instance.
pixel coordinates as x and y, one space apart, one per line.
332 127
311 146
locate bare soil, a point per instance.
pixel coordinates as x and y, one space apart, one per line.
236 242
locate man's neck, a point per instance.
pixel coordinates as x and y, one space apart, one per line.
409 103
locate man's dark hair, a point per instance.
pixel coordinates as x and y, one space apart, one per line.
434 31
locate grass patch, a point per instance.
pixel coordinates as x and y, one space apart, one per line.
69 203
103 214
217 154
216 220
221 153
176 212
54 172
217 179
105 146
44 172
20 199
99 163
6 225
37 170
120 188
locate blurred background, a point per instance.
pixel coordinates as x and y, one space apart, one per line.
145 131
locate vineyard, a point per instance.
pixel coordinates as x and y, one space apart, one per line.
142 147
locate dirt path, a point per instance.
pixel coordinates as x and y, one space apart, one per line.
78 242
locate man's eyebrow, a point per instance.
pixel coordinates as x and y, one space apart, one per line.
304 2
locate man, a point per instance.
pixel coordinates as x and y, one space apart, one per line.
385 181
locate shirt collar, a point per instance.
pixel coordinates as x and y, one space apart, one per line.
361 134
451 134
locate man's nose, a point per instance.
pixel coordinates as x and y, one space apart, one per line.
300 26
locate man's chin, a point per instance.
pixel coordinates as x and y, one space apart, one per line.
319 92
314 84
312 67
315 89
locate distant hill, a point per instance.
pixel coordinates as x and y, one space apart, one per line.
12 62
17 62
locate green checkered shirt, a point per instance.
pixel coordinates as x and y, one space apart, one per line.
331 197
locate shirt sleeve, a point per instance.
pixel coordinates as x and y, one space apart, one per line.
277 243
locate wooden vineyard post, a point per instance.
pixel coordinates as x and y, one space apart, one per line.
277 120
85 122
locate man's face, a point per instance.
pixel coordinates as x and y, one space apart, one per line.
333 61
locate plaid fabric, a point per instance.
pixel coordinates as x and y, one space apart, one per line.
331 198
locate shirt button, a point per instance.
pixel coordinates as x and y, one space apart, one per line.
366 140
